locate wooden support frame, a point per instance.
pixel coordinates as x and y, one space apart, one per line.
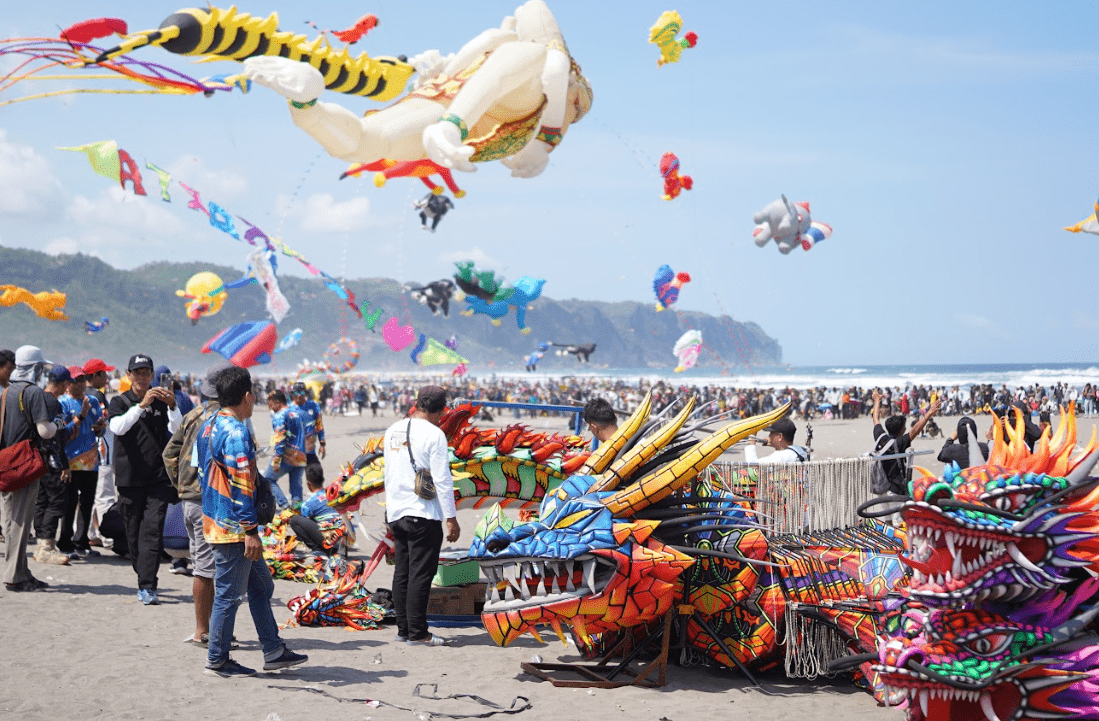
605 675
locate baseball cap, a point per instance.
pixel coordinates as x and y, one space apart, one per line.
431 399
76 372
29 355
139 361
95 365
208 386
59 374
785 426
298 388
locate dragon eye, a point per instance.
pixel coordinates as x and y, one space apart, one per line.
990 644
572 518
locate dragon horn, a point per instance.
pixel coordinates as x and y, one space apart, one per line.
606 452
668 479
624 467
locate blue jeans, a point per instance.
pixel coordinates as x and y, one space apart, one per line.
295 473
233 576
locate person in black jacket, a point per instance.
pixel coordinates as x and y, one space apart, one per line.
142 420
957 450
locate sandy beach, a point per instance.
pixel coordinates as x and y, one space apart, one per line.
88 649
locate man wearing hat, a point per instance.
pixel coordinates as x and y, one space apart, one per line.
84 424
53 486
25 416
417 524
781 438
185 478
143 420
95 371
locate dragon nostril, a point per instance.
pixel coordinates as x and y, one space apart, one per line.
496 545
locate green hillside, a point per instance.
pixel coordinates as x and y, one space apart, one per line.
147 316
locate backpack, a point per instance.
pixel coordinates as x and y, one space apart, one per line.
879 480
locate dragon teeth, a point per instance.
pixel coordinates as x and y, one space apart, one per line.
589 574
986 706
569 564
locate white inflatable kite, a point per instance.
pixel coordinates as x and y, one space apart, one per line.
788 224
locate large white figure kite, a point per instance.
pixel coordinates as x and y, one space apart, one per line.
510 94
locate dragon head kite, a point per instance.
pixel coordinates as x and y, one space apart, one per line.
590 561
1006 561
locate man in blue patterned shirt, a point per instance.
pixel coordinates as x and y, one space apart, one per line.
226 457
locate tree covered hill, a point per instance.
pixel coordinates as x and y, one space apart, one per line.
146 316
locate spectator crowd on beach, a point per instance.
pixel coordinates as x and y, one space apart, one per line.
395 395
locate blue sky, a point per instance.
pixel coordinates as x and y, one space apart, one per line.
945 143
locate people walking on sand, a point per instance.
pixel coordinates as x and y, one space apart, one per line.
25 417
288 443
143 419
226 457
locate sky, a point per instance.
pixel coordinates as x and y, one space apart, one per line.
946 143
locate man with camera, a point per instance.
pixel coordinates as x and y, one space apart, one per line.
143 420
415 509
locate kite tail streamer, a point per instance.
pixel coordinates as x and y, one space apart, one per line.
419 348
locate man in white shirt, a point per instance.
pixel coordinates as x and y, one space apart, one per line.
416 523
781 438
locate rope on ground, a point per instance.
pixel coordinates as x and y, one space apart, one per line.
434 696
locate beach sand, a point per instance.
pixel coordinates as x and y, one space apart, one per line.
88 649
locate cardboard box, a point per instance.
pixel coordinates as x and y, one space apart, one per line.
445 602
473 597
457 600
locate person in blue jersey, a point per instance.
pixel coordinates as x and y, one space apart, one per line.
85 420
319 526
226 458
314 423
288 438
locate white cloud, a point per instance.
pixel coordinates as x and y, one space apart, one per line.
62 246
118 210
478 256
324 214
213 185
27 184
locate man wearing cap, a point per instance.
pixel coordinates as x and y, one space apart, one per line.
95 371
84 422
314 424
25 417
143 420
53 486
417 524
181 462
781 438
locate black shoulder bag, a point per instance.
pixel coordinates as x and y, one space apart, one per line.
424 486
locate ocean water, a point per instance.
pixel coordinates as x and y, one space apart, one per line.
864 376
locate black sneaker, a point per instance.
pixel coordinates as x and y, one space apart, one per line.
230 669
286 660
